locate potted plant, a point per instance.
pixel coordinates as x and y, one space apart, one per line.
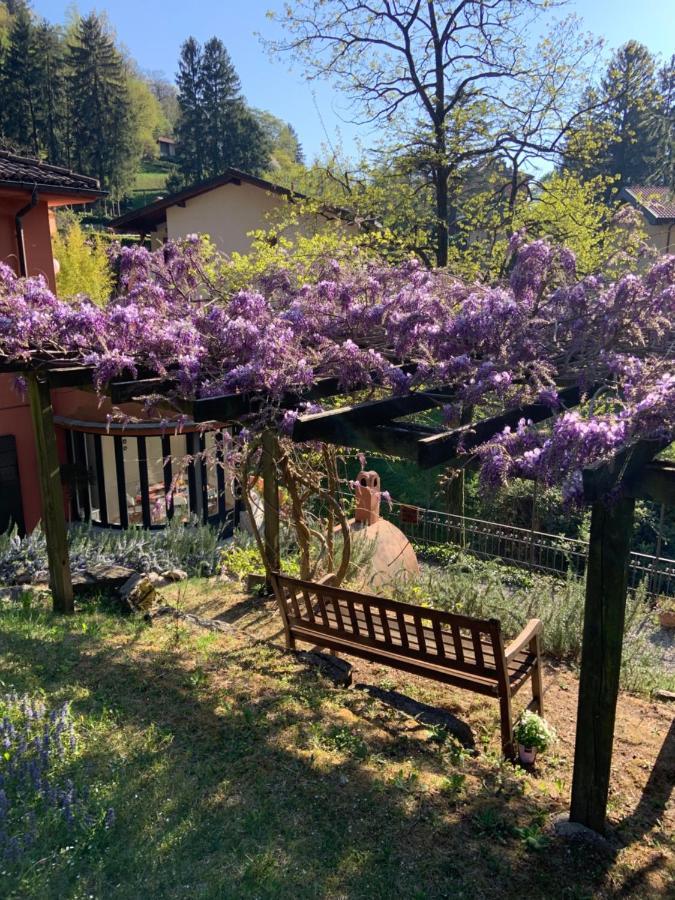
667 614
534 735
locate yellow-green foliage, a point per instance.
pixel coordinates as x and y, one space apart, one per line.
83 264
301 240
564 209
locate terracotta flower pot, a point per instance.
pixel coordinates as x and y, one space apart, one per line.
667 618
527 754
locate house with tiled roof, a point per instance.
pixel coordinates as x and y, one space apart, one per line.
228 207
30 190
657 205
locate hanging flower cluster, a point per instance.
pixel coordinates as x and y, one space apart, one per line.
496 346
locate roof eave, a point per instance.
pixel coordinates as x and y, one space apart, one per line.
138 220
85 195
653 219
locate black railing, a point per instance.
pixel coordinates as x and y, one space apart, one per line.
121 480
535 550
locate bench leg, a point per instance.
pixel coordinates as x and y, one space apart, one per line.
507 724
538 677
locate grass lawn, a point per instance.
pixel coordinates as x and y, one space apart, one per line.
234 770
150 181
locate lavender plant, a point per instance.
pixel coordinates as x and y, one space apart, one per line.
196 549
39 803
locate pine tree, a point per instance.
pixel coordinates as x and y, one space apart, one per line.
51 88
190 126
216 129
222 104
630 87
662 129
299 152
103 123
19 98
616 139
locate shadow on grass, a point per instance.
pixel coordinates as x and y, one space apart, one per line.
214 798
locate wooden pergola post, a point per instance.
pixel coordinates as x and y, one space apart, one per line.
51 492
604 616
271 502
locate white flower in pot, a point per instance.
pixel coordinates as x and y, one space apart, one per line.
534 735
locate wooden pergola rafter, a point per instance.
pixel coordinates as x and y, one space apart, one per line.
610 488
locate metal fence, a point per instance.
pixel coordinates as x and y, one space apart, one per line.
535 550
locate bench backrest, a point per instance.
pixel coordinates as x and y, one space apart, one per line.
432 636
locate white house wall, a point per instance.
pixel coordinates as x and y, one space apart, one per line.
227 214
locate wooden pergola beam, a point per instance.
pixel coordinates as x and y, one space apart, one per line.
229 407
390 440
656 482
626 466
443 447
329 425
70 377
124 391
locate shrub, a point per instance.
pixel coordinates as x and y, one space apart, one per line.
487 589
195 548
83 264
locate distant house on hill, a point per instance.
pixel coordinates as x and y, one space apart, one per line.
657 205
167 147
227 208
30 190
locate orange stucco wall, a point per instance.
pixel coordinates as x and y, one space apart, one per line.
37 237
15 419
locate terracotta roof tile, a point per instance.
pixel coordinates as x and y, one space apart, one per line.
25 172
656 200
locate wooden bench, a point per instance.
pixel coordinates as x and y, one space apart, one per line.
454 649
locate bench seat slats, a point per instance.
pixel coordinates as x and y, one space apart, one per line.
318 634
413 664
408 634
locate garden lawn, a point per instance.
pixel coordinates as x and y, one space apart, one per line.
236 771
150 181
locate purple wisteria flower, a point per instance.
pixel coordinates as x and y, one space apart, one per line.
498 345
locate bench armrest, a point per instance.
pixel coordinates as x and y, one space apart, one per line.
326 579
530 631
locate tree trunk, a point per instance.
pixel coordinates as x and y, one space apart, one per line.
441 183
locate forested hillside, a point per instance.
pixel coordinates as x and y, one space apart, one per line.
70 94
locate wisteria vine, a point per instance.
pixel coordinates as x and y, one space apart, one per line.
494 346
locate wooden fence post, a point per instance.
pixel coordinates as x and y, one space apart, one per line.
51 492
271 501
456 492
604 616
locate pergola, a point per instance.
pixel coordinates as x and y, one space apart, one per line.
610 488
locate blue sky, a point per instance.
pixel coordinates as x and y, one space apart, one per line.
153 31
